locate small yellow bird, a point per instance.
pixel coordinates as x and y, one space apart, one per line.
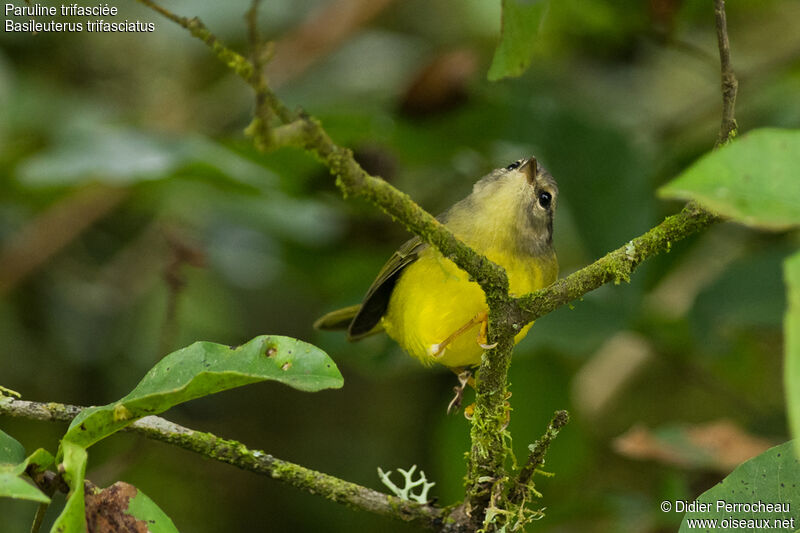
428 305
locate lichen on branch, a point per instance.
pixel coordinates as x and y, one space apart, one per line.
239 455
275 126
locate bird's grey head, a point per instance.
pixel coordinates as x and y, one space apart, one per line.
530 193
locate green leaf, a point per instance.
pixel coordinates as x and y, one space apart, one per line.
11 451
88 150
13 486
521 21
143 508
791 332
752 180
73 517
206 368
41 458
771 478
13 465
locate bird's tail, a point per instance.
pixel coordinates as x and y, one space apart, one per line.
343 319
339 319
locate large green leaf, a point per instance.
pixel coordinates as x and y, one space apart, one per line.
753 180
13 465
770 478
206 368
521 20
791 333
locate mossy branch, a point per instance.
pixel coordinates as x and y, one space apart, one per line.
520 489
305 131
615 266
355 181
239 455
506 315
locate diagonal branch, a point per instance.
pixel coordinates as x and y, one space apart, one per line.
615 266
518 491
350 177
237 454
487 456
619 264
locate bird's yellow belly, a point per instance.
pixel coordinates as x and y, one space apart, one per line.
434 298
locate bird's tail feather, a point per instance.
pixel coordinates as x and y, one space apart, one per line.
342 319
339 319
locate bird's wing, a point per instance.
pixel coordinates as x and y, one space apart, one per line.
377 298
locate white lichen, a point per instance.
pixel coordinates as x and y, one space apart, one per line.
405 493
630 251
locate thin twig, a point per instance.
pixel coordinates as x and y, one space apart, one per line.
488 454
253 35
48 482
519 490
730 84
236 62
237 454
41 511
261 128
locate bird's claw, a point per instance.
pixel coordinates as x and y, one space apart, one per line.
463 380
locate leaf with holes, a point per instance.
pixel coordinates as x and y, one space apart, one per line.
206 368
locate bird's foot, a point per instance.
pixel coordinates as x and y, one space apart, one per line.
483 319
464 378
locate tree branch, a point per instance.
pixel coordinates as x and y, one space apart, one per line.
615 266
237 454
485 476
350 177
519 490
730 84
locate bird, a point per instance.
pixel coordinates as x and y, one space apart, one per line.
431 307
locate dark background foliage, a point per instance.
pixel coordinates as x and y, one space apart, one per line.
135 218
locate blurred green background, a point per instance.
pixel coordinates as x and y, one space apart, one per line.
136 218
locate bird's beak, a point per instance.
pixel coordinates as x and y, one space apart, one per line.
530 167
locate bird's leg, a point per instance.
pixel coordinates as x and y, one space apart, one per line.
464 378
483 342
481 318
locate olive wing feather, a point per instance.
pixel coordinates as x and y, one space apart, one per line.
376 301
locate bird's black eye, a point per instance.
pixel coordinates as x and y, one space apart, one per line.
544 199
514 165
